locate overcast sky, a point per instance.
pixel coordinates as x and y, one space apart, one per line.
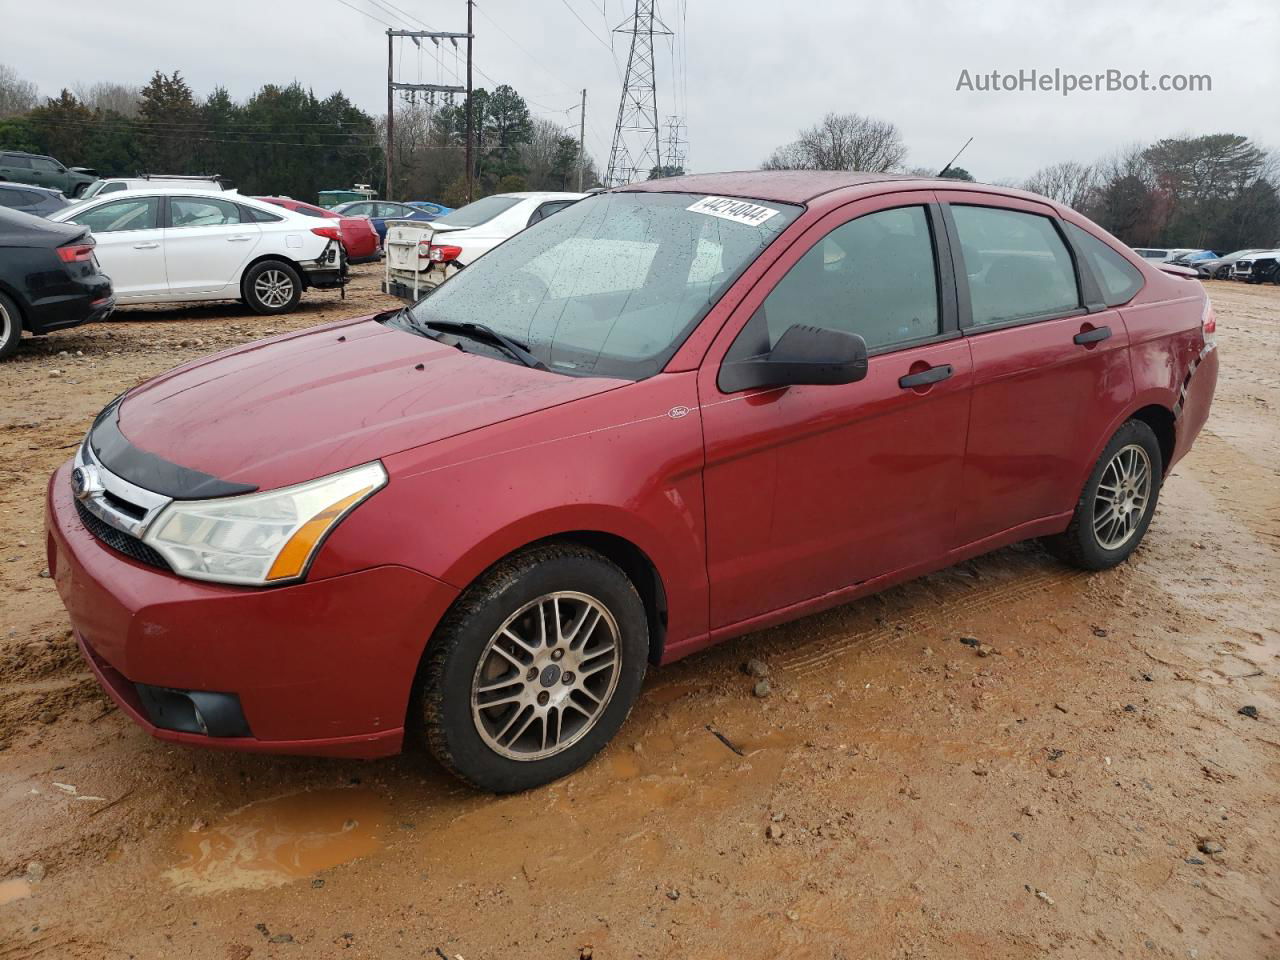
757 70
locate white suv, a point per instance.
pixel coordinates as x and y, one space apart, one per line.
116 184
163 245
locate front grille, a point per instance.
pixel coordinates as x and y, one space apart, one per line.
118 540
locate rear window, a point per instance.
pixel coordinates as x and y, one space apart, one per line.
1119 278
475 214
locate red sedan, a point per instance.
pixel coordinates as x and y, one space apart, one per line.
671 414
357 234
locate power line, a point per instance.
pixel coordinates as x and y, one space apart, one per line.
525 50
578 17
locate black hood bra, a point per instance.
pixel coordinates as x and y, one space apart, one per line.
113 450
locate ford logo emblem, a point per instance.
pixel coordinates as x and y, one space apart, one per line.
84 482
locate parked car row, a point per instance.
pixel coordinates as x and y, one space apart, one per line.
1253 265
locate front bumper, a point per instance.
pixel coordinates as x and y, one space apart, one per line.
322 667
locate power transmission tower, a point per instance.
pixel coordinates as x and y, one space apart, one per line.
638 108
677 145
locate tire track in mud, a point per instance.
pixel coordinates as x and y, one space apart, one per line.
1250 493
813 656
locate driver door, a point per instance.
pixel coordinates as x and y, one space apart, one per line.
814 489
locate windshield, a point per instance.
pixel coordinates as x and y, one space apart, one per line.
612 285
482 211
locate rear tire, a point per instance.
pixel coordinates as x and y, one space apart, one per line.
10 326
510 695
271 287
1117 503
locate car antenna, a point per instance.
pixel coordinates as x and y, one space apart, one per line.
943 171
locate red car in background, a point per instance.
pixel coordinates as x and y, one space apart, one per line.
670 414
357 235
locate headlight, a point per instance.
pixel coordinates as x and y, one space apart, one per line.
260 538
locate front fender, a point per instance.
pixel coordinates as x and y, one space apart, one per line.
627 463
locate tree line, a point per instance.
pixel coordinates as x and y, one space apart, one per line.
286 140
1217 191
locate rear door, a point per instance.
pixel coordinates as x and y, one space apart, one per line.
206 246
812 489
130 246
17 168
1050 363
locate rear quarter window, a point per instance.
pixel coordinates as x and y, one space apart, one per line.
1120 280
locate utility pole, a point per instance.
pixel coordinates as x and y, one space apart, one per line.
582 141
391 113
470 108
393 86
638 108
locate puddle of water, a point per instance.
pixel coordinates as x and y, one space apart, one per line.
11 890
271 842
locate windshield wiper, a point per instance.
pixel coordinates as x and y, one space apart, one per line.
480 331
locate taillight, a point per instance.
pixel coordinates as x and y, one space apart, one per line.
443 253
77 252
1209 324
330 232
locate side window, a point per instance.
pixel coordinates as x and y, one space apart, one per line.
874 276
14 198
46 165
112 188
1119 278
394 210
547 209
136 213
201 212
1017 265
254 215
17 162
359 210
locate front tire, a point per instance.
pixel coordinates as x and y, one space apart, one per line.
1117 503
272 287
10 326
534 669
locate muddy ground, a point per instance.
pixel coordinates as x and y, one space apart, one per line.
897 794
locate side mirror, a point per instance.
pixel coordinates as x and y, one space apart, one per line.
803 355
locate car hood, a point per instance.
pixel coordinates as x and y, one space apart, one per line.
304 405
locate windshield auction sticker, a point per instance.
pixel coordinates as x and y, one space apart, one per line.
739 211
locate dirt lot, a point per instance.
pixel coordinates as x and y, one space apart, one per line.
898 793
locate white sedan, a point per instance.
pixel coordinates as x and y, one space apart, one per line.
421 255
168 244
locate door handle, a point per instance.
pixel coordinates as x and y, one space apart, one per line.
145 246
236 239
1092 336
925 377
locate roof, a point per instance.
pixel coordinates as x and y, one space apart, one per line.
781 186
802 186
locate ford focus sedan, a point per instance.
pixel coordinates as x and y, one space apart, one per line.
671 414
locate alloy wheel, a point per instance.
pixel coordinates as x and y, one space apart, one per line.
1122 497
273 288
546 676
7 328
